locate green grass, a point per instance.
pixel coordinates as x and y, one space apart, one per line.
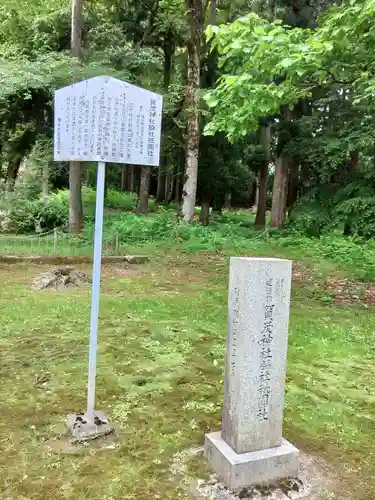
233 232
160 372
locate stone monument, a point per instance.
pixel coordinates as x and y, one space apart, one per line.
250 448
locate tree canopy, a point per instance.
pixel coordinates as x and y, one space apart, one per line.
274 103
269 64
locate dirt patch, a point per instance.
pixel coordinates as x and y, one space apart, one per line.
50 259
119 272
60 279
302 274
347 292
343 291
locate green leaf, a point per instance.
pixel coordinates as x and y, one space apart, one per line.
236 44
259 30
287 62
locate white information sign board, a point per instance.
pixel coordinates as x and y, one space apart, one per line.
106 120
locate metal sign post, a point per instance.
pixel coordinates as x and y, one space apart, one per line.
107 121
95 288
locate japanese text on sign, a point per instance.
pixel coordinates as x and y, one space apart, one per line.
235 320
264 387
105 119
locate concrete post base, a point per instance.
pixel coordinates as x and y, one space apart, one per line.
257 467
83 428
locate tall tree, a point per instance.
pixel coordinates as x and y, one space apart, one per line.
131 178
262 181
144 186
264 79
194 46
168 50
280 191
160 190
75 167
124 177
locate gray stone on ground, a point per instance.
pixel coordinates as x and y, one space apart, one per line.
136 259
82 428
61 278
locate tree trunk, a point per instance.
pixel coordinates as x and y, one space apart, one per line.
228 200
273 9
142 207
85 173
293 184
256 200
45 183
75 170
196 22
160 190
167 187
170 186
217 204
192 140
265 140
75 198
168 49
280 191
212 12
12 172
177 189
354 158
131 178
137 179
76 29
204 216
124 177
171 190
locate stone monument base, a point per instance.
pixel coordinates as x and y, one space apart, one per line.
257 467
83 428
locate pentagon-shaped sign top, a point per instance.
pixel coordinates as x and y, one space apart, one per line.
105 119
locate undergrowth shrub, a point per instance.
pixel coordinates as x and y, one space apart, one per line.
22 214
55 213
350 208
357 215
133 228
163 227
350 253
115 200
123 201
26 214
309 217
228 233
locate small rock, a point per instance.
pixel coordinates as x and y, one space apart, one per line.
136 259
